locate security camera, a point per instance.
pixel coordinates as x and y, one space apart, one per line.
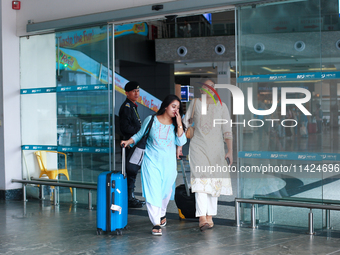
337 44
157 7
219 49
182 51
259 47
299 46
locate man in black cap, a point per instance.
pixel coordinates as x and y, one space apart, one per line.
130 124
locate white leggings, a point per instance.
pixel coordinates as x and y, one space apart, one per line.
205 204
155 212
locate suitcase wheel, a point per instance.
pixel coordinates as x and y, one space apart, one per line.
99 231
119 232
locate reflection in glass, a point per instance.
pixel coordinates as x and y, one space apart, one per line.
83 94
279 46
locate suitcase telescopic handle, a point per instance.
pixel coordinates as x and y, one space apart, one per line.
185 180
123 162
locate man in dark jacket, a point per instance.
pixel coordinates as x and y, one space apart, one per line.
130 124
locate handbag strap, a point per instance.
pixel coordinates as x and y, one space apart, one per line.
148 128
192 113
193 108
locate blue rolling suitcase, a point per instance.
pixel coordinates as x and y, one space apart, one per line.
112 201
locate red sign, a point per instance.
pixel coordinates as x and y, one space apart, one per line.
16 5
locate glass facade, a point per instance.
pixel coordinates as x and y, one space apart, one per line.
286 51
66 105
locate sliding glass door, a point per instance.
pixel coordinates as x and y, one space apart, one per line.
67 106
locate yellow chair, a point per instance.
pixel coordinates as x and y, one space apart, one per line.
52 174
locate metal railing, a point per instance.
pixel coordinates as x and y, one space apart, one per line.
197 29
58 183
254 202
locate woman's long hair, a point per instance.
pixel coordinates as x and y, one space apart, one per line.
166 102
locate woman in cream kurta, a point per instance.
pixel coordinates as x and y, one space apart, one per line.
207 150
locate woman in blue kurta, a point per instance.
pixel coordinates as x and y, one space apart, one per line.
159 167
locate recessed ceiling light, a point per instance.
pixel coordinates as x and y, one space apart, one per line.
323 69
275 70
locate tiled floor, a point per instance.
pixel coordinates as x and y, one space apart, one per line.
38 227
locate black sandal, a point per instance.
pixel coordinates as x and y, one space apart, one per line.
158 228
163 224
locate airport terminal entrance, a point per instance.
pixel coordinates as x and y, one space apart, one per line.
73 85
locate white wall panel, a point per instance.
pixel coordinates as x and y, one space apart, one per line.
38 61
38 111
10 153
